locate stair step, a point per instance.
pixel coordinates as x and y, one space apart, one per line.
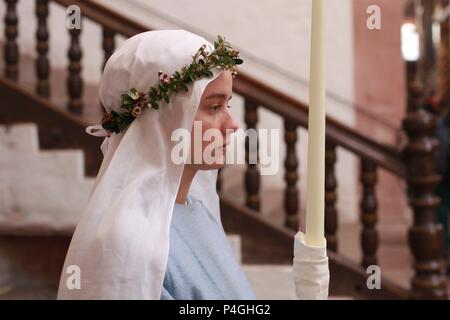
271 282
19 137
39 188
44 200
275 282
52 163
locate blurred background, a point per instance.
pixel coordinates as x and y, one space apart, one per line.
387 190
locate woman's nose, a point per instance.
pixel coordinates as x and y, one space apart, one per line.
230 124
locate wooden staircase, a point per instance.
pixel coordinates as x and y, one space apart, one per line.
61 119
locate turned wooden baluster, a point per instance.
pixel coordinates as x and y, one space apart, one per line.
330 197
11 49
443 70
426 236
291 195
252 177
42 62
108 44
75 82
427 59
369 218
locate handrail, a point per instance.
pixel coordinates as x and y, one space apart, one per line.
264 95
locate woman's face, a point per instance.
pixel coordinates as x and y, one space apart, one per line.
214 118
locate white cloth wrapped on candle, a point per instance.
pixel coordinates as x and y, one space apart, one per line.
310 270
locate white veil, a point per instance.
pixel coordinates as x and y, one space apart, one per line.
120 247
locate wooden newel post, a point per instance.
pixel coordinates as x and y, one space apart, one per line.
426 236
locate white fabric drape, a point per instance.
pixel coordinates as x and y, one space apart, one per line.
121 242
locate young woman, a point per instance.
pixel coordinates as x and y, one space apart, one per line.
151 228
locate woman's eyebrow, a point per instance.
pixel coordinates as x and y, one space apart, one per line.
218 95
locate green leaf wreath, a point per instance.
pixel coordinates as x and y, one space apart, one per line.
223 57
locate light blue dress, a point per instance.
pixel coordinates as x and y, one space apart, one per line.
201 262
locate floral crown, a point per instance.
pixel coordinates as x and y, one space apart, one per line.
223 57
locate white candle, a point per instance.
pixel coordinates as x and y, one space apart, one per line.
315 219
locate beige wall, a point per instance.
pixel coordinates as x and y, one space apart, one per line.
380 88
379 68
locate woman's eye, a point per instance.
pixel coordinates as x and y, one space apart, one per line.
214 108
